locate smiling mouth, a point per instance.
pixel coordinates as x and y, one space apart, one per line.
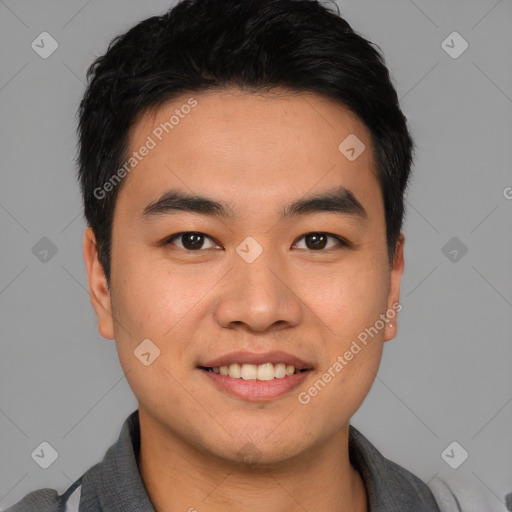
261 372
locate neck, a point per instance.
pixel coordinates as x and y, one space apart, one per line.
180 477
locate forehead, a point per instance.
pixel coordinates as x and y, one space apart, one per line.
254 149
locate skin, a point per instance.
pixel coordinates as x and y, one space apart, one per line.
257 153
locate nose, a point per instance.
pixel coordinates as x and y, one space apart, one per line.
259 296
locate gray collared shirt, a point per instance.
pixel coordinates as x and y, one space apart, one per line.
115 483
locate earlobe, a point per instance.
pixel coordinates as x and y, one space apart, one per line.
393 305
98 286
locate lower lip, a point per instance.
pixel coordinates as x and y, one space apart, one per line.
257 390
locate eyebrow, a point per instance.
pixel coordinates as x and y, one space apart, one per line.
339 200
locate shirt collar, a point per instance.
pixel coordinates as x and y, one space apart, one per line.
115 484
389 487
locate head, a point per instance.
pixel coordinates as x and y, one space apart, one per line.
254 127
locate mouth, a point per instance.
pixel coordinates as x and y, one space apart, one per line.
262 372
256 377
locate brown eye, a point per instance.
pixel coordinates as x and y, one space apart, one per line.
191 241
318 240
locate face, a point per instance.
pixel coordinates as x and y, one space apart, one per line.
270 273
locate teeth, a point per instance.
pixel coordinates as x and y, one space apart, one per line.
267 371
249 372
235 371
279 371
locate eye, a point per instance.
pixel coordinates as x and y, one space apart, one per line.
191 241
195 241
318 240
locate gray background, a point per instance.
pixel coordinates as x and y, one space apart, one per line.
446 377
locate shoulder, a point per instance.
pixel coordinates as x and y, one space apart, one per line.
48 500
397 488
459 494
41 500
389 486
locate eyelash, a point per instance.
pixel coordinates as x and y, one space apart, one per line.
342 242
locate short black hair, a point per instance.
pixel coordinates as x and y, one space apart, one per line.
253 45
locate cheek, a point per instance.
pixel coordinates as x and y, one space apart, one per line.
350 302
152 296
359 376
151 303
349 297
160 302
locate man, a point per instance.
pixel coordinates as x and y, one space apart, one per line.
243 165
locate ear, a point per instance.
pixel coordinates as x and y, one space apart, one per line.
397 271
98 287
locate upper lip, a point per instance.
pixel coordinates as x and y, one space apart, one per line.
275 356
